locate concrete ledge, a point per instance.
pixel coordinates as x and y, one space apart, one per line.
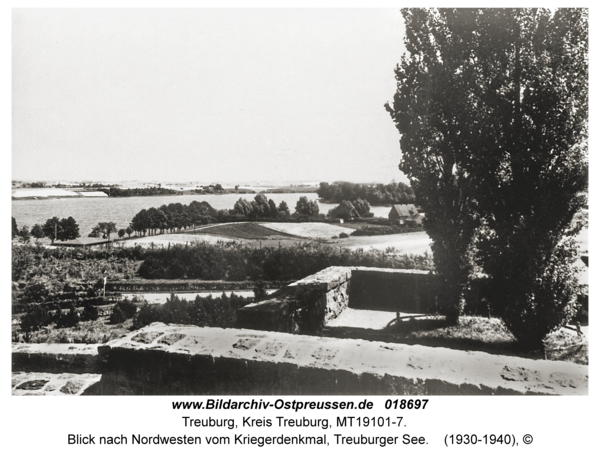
172 359
47 384
61 358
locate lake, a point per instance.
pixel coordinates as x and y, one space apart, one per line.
88 212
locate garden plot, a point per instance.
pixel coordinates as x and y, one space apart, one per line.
309 230
163 240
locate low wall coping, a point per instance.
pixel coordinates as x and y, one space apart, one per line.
330 277
433 370
73 358
391 270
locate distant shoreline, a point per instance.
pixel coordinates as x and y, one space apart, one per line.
240 191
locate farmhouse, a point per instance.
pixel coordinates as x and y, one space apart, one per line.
402 213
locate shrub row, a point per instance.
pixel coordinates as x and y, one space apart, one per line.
209 311
379 230
236 262
67 303
163 285
38 316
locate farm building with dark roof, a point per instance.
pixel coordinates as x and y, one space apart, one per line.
402 213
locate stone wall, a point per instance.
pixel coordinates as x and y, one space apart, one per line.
305 306
396 290
302 307
174 359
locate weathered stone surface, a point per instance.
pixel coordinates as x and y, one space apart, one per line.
72 387
54 384
32 385
302 307
242 361
519 374
60 358
170 339
147 337
305 306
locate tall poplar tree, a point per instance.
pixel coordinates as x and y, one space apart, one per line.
434 112
492 110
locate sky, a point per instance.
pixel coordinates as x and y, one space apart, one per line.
209 95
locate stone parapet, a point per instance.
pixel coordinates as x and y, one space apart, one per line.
52 384
173 359
302 307
305 306
398 290
60 358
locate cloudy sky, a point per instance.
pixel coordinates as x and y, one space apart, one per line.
204 94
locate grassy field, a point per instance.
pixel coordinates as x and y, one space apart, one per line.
246 230
309 230
287 234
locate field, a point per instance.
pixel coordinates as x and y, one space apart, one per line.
247 230
309 230
283 234
164 240
44 193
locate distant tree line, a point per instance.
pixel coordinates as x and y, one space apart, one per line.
24 234
177 216
210 189
260 207
148 191
376 195
171 217
237 262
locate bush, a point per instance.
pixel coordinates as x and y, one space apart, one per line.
35 317
117 316
90 312
534 306
124 310
344 235
146 315
69 319
260 291
382 230
36 291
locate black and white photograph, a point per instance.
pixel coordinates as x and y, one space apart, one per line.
268 202
332 203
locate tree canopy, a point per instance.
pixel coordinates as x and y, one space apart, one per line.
104 230
306 207
378 194
491 105
61 230
15 229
